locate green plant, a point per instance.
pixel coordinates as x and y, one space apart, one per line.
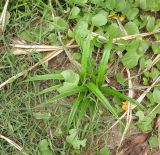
88 90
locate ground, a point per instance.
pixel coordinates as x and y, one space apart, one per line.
113 52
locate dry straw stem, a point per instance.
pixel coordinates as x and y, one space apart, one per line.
47 58
19 49
130 94
13 144
127 37
3 17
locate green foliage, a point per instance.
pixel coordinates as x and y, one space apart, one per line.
131 13
131 28
59 24
153 141
156 48
103 63
95 90
135 51
110 4
150 23
71 81
74 12
145 122
44 147
113 31
156 95
100 19
42 115
120 79
73 139
104 151
81 2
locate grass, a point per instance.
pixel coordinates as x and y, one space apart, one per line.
48 104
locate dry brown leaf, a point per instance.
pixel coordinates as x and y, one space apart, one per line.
135 146
157 122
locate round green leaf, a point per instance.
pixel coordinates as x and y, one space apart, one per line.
132 13
120 5
74 12
150 24
131 28
156 95
143 4
99 19
113 30
153 141
156 48
130 59
104 151
110 4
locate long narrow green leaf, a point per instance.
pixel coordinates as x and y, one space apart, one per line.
103 63
74 109
82 110
46 77
86 52
118 94
95 90
73 91
47 90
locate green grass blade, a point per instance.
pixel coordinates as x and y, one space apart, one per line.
103 63
73 91
82 110
46 77
47 90
86 53
74 109
118 94
95 90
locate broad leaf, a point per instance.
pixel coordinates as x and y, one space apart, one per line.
44 147
113 31
74 12
71 81
100 19
110 4
150 24
156 95
153 141
131 28
131 13
130 59
74 140
156 48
